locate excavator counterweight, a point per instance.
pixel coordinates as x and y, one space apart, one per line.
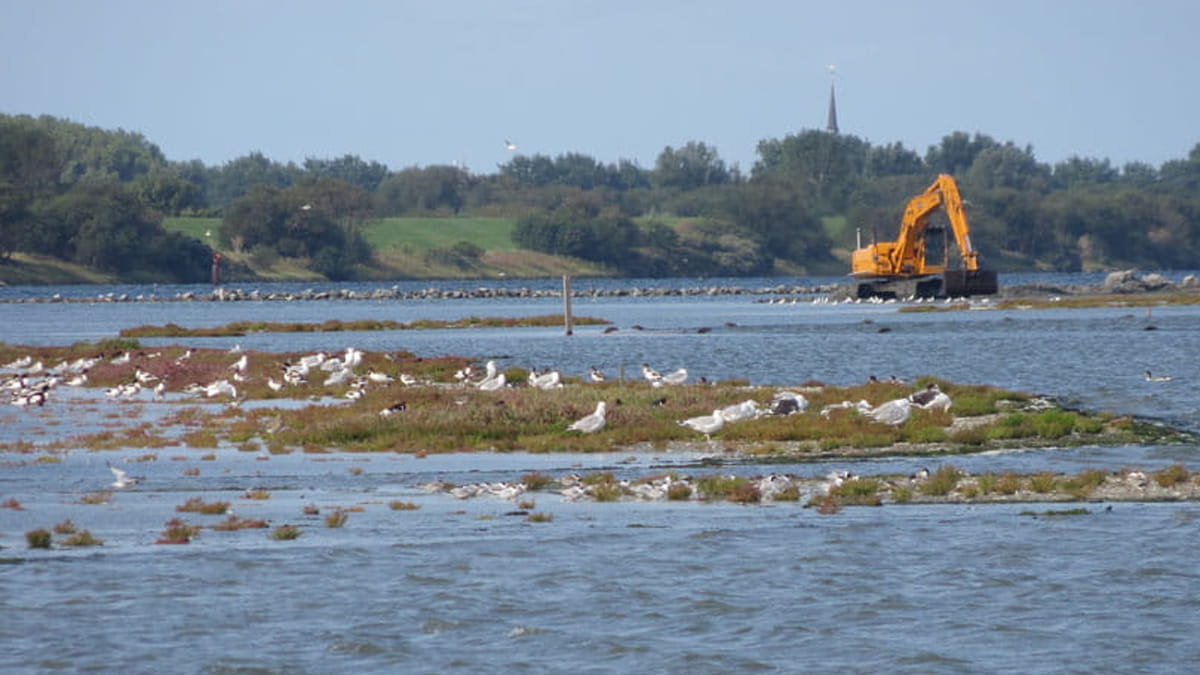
899 268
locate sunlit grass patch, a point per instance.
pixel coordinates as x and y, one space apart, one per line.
540 517
397 505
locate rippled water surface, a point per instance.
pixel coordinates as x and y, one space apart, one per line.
630 587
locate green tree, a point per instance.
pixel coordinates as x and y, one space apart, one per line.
234 179
1007 166
352 169
957 152
1078 171
693 166
824 167
423 190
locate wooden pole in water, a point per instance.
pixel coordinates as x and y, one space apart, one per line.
567 320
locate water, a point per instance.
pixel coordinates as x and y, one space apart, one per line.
667 587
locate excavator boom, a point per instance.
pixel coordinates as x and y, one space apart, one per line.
904 259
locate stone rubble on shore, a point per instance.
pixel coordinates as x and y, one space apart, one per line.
222 294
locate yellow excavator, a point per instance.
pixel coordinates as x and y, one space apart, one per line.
899 268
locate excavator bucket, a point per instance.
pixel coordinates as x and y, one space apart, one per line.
963 283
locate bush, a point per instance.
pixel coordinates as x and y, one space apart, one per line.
39 538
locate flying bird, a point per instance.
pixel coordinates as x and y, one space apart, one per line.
509 145
122 479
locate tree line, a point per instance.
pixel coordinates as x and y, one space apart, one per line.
97 197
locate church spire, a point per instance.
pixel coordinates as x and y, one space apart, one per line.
831 125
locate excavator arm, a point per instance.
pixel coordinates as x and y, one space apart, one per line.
904 258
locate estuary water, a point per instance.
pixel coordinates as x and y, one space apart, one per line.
473 585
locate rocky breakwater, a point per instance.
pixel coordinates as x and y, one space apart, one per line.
1122 282
222 294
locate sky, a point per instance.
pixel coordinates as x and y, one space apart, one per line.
418 83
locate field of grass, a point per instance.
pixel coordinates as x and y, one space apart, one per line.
418 234
490 234
196 227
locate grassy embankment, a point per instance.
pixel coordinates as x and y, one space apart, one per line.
420 248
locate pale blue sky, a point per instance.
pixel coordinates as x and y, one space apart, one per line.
419 83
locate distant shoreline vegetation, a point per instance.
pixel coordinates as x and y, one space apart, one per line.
240 328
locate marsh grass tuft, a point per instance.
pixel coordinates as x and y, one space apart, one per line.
942 482
39 538
257 493
336 518
1057 512
790 493
678 492
536 480
198 505
285 533
826 504
93 498
1043 482
397 505
1171 476
65 527
235 523
540 517
715 486
178 532
858 492
83 538
11 503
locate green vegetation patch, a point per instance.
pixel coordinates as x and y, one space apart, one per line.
493 234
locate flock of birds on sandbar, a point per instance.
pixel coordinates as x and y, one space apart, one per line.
30 383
